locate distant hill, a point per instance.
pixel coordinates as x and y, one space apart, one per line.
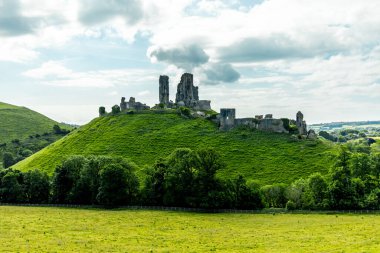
339 125
263 156
20 122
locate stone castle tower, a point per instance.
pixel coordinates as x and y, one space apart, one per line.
164 90
186 91
301 124
227 118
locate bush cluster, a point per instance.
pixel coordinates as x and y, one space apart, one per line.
187 178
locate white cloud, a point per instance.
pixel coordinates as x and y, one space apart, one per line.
294 54
54 73
49 69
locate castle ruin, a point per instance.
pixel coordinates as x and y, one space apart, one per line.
268 123
187 95
164 90
132 105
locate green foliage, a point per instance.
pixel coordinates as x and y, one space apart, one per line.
247 196
145 137
318 190
115 109
8 159
95 180
290 205
58 130
185 111
64 179
36 187
118 185
20 122
286 123
274 195
328 136
11 190
188 178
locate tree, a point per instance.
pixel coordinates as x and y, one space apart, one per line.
65 178
118 185
247 196
11 190
328 136
36 186
115 109
274 195
179 181
344 189
375 161
153 191
206 164
57 129
86 188
297 194
317 187
8 160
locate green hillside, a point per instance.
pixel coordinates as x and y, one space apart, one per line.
20 122
267 157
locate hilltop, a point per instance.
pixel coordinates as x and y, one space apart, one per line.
146 136
20 122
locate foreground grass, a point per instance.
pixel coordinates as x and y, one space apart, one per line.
143 138
39 229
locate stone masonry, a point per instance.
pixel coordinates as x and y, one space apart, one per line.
164 90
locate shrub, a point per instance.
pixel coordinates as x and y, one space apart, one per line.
115 109
290 205
185 111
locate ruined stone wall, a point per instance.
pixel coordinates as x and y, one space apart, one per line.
250 122
186 92
301 124
203 105
164 90
272 125
227 118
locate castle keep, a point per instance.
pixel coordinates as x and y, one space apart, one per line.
187 94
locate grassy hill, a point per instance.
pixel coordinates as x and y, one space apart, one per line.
20 122
267 157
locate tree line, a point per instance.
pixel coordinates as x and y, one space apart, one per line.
188 178
17 150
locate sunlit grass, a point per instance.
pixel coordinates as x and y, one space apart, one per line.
20 122
143 138
75 230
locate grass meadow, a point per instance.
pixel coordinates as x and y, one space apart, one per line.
20 122
49 229
143 138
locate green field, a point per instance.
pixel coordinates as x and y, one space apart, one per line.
143 138
46 229
376 146
20 122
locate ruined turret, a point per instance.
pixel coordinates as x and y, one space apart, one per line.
164 90
186 92
227 118
123 104
301 124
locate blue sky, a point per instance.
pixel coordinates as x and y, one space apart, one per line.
65 58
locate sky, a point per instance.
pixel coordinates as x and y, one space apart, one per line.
65 58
